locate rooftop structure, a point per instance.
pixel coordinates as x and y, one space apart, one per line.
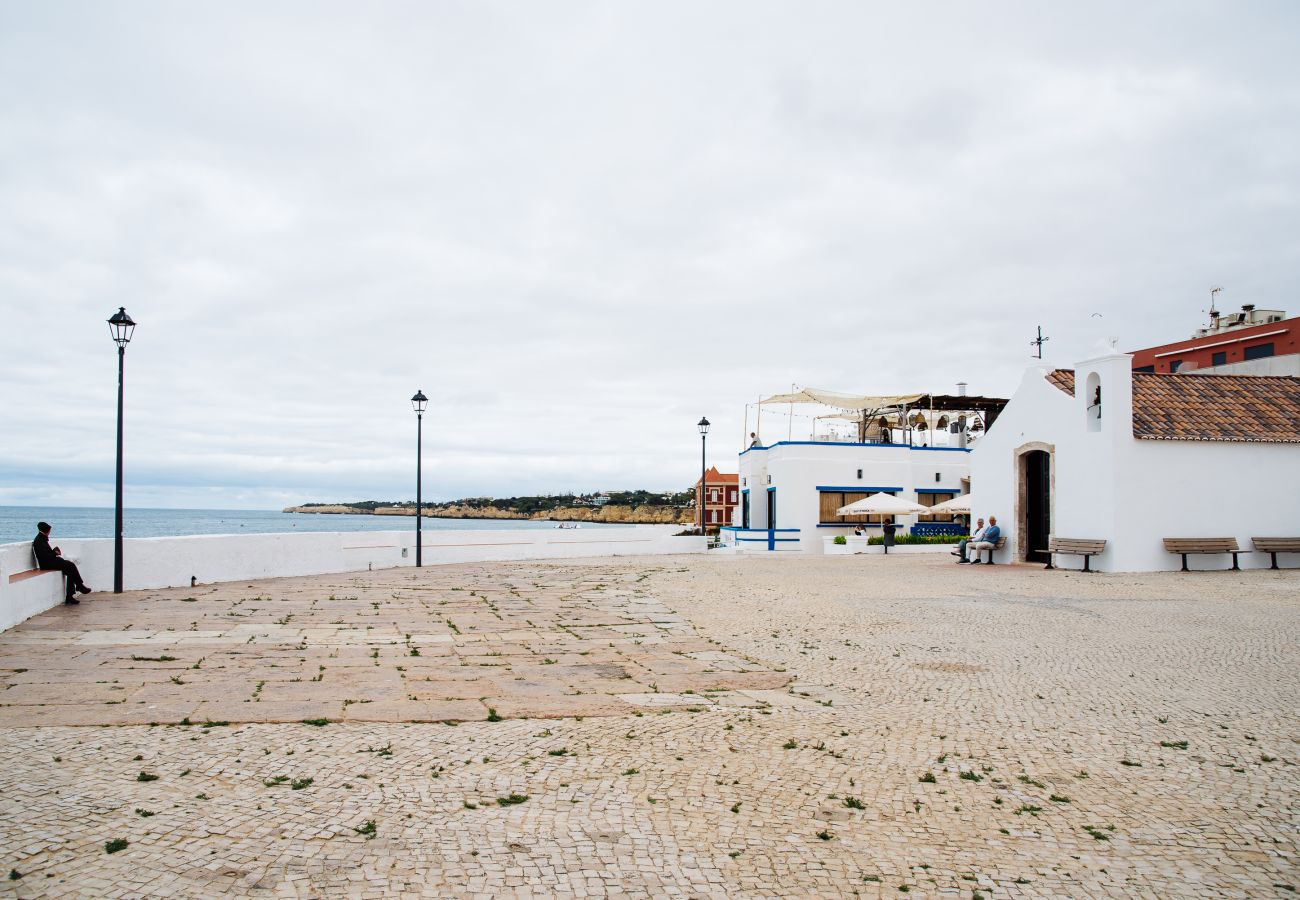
1250 342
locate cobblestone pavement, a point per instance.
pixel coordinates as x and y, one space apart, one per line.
695 727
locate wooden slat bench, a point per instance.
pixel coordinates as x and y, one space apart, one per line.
1184 546
1275 545
1085 547
32 573
1002 542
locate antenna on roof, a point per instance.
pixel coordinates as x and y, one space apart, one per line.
1214 291
1038 342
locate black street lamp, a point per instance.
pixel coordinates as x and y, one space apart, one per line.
418 403
122 328
704 436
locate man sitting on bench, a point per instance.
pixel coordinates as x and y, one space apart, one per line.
51 558
976 535
988 542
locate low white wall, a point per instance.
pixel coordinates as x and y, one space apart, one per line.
171 561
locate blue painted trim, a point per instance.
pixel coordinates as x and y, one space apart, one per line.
744 490
768 540
771 489
849 525
937 491
759 530
843 444
859 489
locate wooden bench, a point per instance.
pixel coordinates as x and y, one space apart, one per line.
1084 547
32 573
1184 546
1275 545
1002 542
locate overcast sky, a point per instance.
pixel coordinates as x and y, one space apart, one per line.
578 227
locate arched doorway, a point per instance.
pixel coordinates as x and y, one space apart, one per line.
1036 472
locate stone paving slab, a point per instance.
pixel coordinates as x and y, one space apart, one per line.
393 642
935 732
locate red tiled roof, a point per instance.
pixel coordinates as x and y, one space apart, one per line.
1254 408
716 477
1062 379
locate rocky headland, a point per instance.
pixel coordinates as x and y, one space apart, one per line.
610 514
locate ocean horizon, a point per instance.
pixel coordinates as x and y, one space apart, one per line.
18 523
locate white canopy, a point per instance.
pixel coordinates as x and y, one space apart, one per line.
841 401
960 504
883 505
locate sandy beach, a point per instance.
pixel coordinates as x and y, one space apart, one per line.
681 726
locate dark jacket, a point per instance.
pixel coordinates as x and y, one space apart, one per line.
45 558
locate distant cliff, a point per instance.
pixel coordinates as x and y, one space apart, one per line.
609 514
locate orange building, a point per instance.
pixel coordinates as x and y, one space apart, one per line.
722 492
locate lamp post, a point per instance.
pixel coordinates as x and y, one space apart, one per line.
704 436
418 403
121 327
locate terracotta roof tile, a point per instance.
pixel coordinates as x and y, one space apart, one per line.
1063 379
1209 407
1216 408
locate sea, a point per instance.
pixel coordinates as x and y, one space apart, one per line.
18 523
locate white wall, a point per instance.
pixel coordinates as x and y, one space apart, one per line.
1269 365
798 468
170 562
1134 493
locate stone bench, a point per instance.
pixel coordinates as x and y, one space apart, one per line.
1184 546
1085 547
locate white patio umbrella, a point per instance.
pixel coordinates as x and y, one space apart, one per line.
957 505
882 505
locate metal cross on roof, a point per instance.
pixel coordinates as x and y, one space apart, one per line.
1038 342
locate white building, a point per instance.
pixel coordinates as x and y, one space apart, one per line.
1101 451
915 447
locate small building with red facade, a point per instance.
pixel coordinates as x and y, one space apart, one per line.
1250 342
721 497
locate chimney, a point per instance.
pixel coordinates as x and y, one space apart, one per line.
1247 307
961 389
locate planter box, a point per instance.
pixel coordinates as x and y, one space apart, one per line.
912 548
854 545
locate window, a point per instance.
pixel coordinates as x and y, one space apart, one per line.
1219 358
713 495
733 497
1145 369
932 500
1175 365
1259 351
833 500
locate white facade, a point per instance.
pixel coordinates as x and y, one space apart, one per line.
1105 483
788 478
172 561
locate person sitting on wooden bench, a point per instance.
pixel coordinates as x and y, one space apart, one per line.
988 542
976 535
51 558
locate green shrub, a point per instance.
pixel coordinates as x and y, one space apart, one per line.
878 539
840 540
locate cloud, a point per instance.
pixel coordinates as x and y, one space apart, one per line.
578 227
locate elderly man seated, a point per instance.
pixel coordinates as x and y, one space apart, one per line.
987 541
977 534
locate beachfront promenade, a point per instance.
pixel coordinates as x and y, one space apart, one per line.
668 726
